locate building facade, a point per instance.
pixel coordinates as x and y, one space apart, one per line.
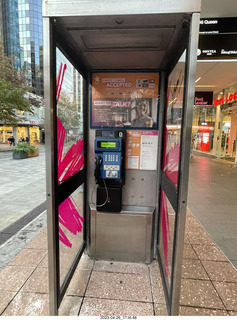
21 35
215 126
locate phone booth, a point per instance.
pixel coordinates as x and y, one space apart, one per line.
118 134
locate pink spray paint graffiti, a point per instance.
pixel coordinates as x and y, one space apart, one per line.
68 165
170 168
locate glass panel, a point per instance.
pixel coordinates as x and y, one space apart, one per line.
70 230
174 113
167 228
70 145
70 119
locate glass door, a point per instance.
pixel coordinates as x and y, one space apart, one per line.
65 171
175 139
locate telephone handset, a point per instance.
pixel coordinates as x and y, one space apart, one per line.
98 161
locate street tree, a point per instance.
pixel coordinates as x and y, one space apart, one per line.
68 112
13 88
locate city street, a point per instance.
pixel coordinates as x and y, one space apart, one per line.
22 186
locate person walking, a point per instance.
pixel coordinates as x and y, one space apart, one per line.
12 141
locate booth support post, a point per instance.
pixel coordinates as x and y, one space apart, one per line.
51 161
184 166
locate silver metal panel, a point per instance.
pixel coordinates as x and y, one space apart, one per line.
155 38
50 164
124 60
125 34
140 188
184 165
56 8
125 236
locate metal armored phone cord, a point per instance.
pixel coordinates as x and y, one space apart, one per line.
107 196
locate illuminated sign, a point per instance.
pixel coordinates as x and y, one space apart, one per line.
204 98
217 39
225 99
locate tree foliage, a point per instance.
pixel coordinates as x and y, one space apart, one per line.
67 112
13 87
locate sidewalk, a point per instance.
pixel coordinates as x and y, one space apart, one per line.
5 147
209 283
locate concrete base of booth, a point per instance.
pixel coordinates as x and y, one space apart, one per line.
125 236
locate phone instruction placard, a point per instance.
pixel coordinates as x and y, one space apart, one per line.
141 149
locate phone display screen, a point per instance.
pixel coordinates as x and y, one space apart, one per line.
107 144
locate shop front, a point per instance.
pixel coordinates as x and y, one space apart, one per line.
214 129
5 133
22 132
204 118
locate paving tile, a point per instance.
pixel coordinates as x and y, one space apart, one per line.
228 294
108 307
12 278
193 269
28 304
70 306
39 242
220 271
189 253
160 309
67 255
44 262
121 267
131 287
192 225
156 284
209 253
199 238
30 258
232 313
86 263
199 293
79 283
38 282
5 298
190 311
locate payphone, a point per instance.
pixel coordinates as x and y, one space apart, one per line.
109 169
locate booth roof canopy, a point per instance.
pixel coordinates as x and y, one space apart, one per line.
56 8
122 41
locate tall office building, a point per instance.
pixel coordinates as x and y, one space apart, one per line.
21 36
31 42
9 30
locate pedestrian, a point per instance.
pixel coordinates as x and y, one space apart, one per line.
27 139
12 141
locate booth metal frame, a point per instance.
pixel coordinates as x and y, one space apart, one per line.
62 23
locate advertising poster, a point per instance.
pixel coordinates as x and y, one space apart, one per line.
127 99
141 149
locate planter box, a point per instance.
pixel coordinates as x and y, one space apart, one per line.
20 155
35 154
23 155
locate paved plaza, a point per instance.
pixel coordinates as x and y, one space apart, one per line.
22 185
209 278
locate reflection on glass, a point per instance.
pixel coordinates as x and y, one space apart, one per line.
167 229
70 229
174 112
69 118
